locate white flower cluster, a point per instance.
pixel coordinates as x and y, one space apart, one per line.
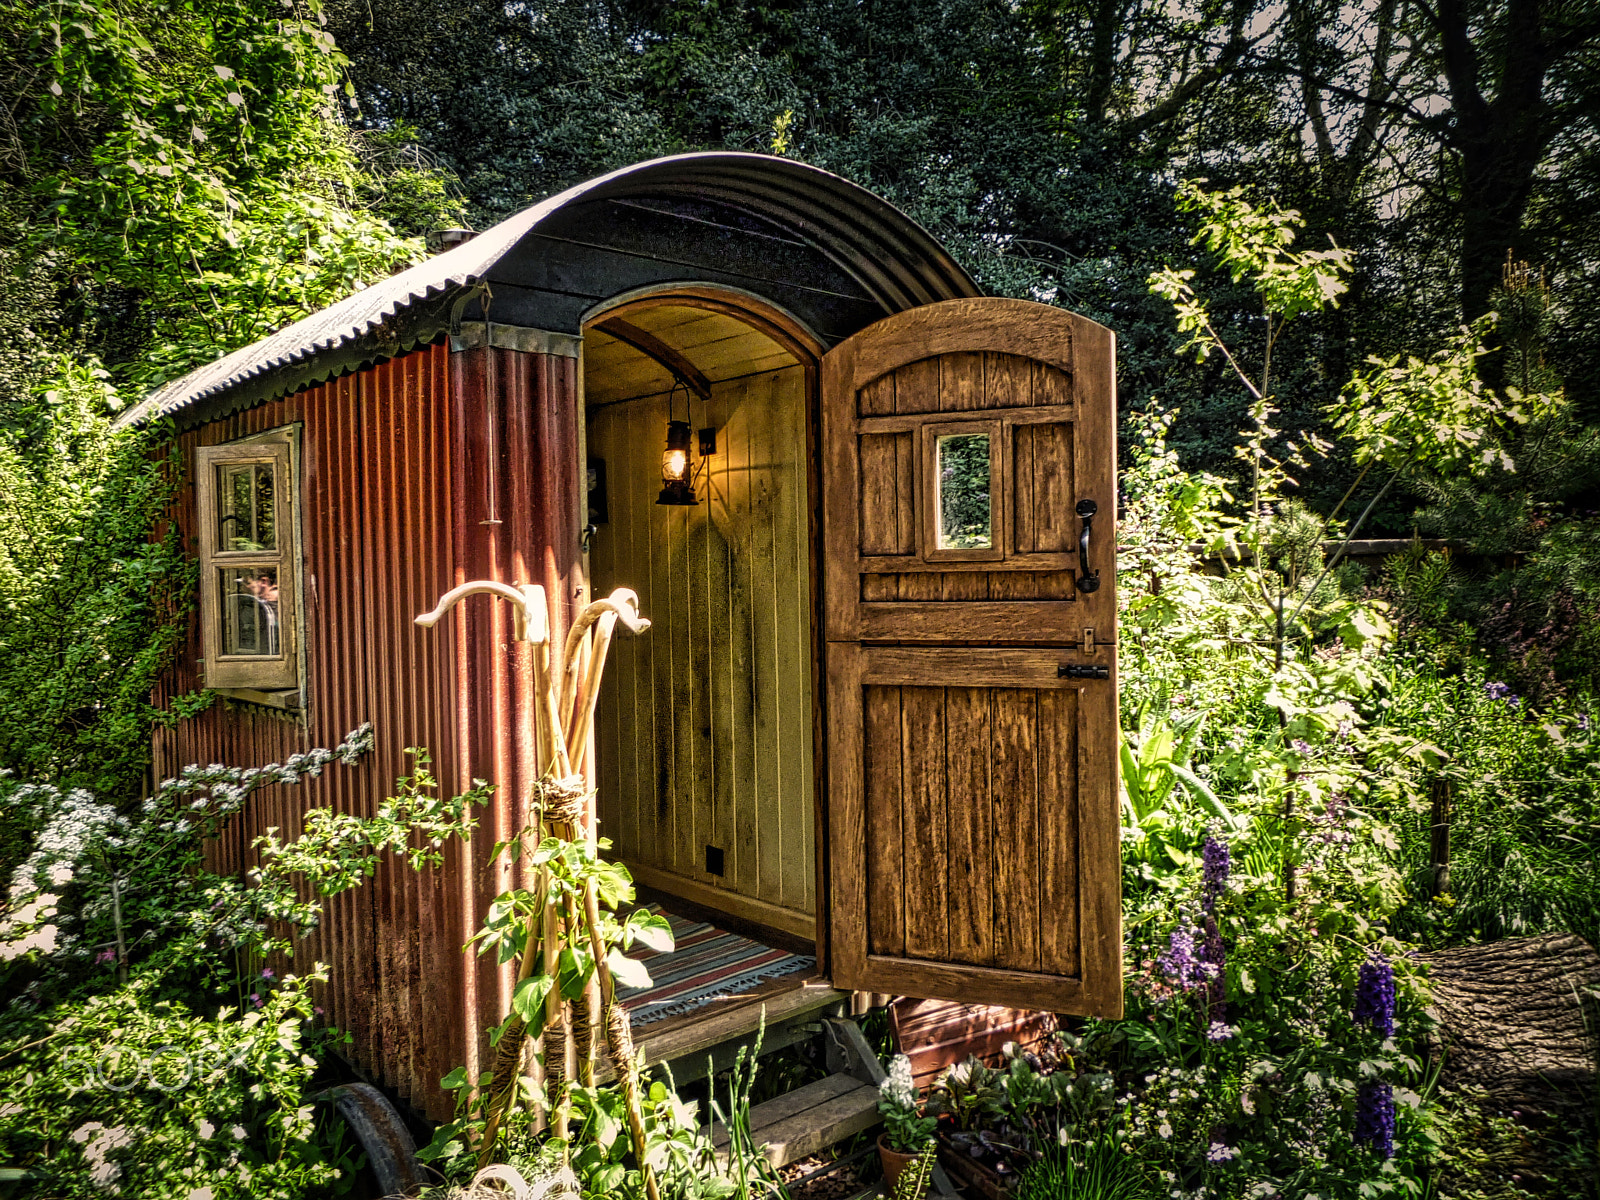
899 1088
220 791
98 1142
1170 1104
76 825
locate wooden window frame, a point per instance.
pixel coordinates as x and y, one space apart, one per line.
274 680
927 487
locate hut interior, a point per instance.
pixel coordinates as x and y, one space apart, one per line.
704 735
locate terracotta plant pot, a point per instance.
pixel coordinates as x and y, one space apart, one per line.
894 1161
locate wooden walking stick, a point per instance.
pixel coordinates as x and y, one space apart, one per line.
561 739
585 657
529 623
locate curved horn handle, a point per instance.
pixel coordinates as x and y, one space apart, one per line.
623 605
530 620
624 602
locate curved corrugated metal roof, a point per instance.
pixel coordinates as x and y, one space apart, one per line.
897 262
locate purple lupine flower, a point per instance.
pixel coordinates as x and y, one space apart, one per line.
1177 962
1375 996
1301 747
1214 878
1375 1117
1501 691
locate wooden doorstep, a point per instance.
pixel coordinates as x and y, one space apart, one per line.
800 1123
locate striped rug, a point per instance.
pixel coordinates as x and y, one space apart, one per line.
705 963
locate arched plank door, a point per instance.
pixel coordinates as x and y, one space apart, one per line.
971 676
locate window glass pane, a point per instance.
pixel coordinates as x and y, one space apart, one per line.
245 522
250 611
963 468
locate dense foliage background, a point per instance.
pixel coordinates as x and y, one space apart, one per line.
179 177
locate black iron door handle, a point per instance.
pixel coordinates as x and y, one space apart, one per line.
1089 581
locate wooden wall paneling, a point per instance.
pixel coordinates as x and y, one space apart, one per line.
766 480
702 547
729 655
664 690
792 559
924 786
1018 802
1056 843
638 819
973 811
744 589
716 634
882 781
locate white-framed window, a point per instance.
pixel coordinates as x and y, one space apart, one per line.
247 523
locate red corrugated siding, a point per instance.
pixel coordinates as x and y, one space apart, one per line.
397 483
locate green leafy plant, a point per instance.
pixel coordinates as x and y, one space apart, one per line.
904 1126
148 1051
1094 1170
912 1183
969 1093
1155 759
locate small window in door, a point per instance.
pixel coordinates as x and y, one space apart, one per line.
249 586
961 490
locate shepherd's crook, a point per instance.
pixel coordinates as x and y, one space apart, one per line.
530 623
562 749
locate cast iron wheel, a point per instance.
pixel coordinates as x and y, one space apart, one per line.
391 1154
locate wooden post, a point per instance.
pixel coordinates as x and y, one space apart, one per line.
1441 793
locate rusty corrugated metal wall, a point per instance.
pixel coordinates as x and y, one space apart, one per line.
416 474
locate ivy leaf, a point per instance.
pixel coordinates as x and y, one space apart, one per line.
528 1000
573 968
650 929
629 972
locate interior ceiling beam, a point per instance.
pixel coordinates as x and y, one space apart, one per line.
649 345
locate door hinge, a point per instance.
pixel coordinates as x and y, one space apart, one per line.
1082 671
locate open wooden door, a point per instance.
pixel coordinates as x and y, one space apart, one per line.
971 658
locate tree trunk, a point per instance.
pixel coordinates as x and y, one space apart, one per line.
1501 140
1519 1019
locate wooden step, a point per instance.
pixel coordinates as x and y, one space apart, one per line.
800 1123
